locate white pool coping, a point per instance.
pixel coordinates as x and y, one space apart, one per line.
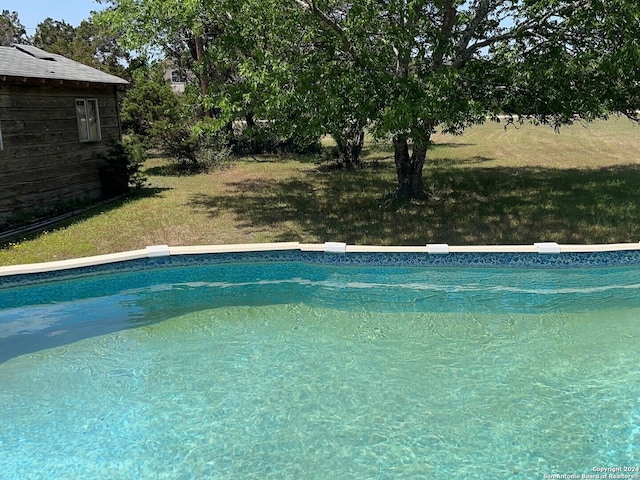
542 248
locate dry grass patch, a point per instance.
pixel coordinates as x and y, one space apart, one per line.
596 145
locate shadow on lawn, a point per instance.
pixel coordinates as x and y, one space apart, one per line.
466 206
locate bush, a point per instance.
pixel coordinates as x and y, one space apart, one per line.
195 152
122 168
259 139
150 105
179 144
213 151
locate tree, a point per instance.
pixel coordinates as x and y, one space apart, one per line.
403 68
450 63
615 30
149 105
98 46
298 83
11 30
202 37
89 44
54 36
190 33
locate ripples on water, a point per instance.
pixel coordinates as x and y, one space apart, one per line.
314 372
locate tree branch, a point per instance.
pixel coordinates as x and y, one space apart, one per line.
325 20
480 15
527 29
448 21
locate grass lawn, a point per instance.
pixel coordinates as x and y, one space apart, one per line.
488 186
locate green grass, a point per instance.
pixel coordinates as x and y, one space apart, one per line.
488 186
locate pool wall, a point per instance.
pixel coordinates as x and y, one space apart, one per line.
539 255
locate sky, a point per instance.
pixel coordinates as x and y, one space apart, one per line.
32 12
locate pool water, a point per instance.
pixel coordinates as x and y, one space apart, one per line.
299 371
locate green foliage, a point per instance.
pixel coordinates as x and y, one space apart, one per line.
261 139
11 30
150 105
413 67
213 152
98 47
192 147
180 144
122 168
296 80
135 154
54 36
196 35
153 113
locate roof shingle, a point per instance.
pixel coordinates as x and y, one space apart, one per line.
27 61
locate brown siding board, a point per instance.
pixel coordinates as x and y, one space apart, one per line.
37 166
55 153
63 112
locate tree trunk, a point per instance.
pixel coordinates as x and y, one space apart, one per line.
409 166
350 142
250 119
204 81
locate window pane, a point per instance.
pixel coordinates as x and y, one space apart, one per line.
81 114
92 118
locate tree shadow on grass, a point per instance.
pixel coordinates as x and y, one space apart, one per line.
474 206
452 145
526 205
456 162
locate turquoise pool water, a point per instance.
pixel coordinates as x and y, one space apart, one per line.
290 370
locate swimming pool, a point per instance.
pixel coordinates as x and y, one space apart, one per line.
298 364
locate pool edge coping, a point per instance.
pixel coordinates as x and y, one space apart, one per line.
542 248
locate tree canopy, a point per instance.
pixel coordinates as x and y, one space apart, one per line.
11 30
448 64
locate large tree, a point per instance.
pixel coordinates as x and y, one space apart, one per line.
451 63
191 33
297 82
54 36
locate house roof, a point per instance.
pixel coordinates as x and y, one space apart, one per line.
26 61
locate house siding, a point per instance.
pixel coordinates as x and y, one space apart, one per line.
43 162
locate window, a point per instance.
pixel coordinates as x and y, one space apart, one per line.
88 120
178 76
0 137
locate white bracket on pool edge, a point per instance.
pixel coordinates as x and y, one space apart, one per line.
548 247
437 248
335 247
158 251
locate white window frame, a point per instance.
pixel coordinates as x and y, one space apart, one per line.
89 129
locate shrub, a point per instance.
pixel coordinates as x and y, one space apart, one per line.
260 139
122 167
213 151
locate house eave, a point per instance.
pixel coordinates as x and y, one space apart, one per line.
59 81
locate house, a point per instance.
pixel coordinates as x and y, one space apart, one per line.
176 76
58 119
